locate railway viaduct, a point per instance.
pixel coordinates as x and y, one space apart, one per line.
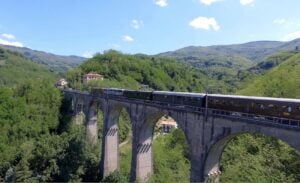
207 132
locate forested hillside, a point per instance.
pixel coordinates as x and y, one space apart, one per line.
129 71
225 62
16 69
281 81
38 142
265 65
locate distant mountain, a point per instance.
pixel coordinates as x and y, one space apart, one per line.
227 62
16 69
236 55
56 63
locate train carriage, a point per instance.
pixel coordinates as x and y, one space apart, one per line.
97 91
265 106
180 98
113 92
142 95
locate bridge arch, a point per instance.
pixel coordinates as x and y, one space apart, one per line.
143 152
217 145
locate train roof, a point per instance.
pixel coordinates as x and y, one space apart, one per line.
188 94
255 98
115 89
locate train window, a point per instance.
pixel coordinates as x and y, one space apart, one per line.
257 105
289 109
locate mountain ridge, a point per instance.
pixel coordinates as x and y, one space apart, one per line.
56 63
254 51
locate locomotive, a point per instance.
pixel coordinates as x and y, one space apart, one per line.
233 104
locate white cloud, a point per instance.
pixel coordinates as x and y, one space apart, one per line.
9 39
136 24
209 2
247 2
205 23
127 38
161 3
291 36
88 54
11 43
7 36
286 23
280 21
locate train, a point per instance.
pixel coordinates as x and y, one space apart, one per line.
233 104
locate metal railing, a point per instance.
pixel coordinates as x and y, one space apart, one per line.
255 117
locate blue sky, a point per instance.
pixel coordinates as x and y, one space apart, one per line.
83 27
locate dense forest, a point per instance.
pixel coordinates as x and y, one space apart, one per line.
40 142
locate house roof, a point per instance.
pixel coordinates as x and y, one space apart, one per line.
93 74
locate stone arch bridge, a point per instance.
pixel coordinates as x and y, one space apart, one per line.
207 132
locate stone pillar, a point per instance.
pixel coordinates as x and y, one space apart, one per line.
142 157
92 123
195 132
78 111
197 167
110 140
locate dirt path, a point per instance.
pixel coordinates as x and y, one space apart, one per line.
126 141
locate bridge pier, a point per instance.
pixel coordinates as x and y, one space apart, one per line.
92 123
110 140
78 111
143 120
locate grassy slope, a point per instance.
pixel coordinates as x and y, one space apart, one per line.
281 81
265 65
15 69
